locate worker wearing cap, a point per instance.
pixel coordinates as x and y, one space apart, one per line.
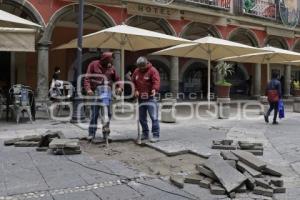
101 87
147 83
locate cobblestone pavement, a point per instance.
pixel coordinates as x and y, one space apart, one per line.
27 174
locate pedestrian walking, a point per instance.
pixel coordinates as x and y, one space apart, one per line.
146 80
98 82
273 92
249 85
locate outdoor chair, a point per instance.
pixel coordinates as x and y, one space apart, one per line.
21 100
62 94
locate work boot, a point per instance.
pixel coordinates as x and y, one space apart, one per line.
90 138
144 137
105 131
275 123
154 140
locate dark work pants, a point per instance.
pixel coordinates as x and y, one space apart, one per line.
273 106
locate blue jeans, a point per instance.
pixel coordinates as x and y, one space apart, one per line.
95 115
149 106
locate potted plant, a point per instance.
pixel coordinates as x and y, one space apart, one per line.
296 88
223 86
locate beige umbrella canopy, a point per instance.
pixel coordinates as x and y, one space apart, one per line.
272 55
16 34
209 48
125 37
296 63
10 20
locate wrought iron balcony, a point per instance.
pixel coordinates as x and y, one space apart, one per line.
288 16
260 8
219 4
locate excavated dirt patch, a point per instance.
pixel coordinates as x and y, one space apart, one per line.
143 158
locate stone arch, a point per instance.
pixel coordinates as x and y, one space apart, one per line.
193 77
58 15
186 65
242 34
163 24
200 30
276 41
163 66
30 10
239 79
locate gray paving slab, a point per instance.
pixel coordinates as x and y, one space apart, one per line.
2 188
87 195
150 192
228 176
20 173
201 193
44 198
250 159
120 192
243 167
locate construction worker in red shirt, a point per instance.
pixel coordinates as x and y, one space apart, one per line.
146 80
101 87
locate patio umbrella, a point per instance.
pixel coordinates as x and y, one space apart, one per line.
17 34
125 37
295 63
209 48
272 55
10 20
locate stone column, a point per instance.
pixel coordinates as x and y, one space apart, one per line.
257 81
287 81
117 61
43 70
174 78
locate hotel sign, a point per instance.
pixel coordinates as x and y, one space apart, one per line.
153 11
163 2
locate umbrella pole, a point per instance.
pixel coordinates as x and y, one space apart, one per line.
122 70
122 64
268 71
208 82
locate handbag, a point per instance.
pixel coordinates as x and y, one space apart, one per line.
273 96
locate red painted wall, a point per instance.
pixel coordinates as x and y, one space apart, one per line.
47 7
62 58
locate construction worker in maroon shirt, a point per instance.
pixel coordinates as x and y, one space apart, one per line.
101 86
146 80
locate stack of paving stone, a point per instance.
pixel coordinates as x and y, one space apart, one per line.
40 141
254 148
234 172
55 141
65 146
27 141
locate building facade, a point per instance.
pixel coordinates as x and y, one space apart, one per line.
253 22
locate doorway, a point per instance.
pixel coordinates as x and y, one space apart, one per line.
5 75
